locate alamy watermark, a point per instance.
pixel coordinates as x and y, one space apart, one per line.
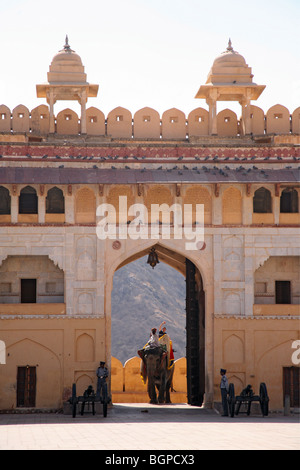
176 221
296 354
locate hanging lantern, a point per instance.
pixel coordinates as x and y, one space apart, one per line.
153 258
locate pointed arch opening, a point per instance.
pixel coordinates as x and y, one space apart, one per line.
142 298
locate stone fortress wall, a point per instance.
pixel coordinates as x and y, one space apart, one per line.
147 123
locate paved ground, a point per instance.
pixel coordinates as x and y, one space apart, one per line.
149 427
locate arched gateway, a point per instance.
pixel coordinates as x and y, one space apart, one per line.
195 316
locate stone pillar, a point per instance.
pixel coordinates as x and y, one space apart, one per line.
246 115
41 208
249 274
14 208
70 205
83 113
217 210
212 116
247 202
276 209
51 112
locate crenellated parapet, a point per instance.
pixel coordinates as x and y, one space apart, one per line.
144 124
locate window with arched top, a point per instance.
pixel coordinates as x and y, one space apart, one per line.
55 201
28 201
289 201
4 201
262 201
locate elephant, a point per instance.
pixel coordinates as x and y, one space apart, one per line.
154 368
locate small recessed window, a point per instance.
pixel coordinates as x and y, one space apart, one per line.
199 118
227 119
146 118
93 119
28 201
5 287
68 117
262 201
21 115
278 116
119 118
42 116
173 119
4 201
2 116
289 201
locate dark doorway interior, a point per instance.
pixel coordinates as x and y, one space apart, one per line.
26 387
291 385
283 292
28 291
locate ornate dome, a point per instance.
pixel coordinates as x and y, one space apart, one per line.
230 58
66 67
230 67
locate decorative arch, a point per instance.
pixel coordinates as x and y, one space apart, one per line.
234 350
232 206
28 201
85 206
55 201
175 257
199 195
262 201
85 348
5 201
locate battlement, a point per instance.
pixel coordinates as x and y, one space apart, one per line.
24 125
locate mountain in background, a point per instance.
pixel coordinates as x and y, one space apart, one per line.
142 298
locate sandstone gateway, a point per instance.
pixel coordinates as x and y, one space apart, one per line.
56 274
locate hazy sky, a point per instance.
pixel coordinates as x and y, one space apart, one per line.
153 53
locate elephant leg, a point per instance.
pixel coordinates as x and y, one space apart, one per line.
168 395
162 390
152 393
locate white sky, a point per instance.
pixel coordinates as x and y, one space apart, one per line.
153 53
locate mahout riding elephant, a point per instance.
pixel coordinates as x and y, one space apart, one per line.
154 368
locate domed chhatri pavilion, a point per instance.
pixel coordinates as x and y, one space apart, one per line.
67 81
56 272
230 79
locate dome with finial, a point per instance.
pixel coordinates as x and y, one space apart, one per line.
66 67
230 58
230 67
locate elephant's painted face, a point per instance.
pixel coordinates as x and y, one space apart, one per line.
154 362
